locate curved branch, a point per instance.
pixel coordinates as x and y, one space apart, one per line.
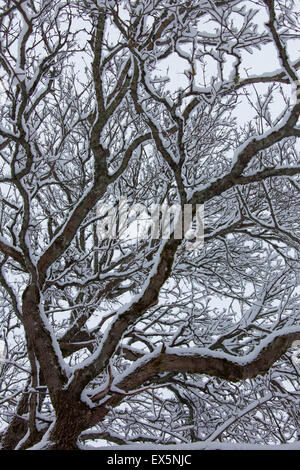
268 173
196 361
12 251
212 363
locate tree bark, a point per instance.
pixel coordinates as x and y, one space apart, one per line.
18 426
70 422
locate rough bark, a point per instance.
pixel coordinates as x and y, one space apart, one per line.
18 425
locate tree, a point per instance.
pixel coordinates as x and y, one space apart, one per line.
145 340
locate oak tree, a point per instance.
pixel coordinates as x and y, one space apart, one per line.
143 339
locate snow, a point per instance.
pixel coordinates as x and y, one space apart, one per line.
123 310
242 360
239 150
56 348
45 441
134 367
161 112
23 440
243 412
196 446
8 134
281 61
2 352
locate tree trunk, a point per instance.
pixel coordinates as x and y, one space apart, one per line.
70 422
18 426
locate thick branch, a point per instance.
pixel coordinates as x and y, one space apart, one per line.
213 363
12 251
198 361
268 173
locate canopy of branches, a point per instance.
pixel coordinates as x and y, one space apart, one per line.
128 338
